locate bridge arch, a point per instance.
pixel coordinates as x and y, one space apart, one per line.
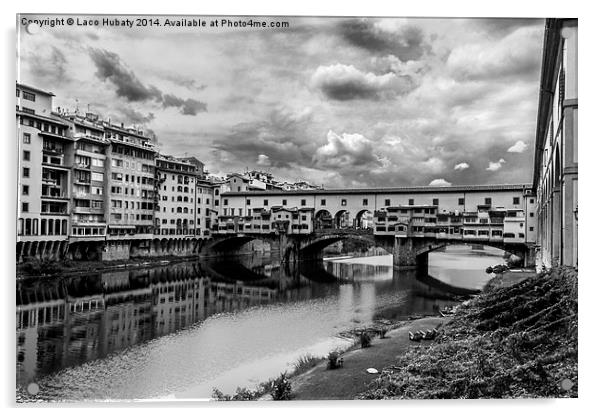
323 219
361 220
312 248
342 219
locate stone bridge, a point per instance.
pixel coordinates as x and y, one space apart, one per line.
408 252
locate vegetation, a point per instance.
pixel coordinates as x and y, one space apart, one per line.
281 388
35 267
334 360
365 339
518 341
304 363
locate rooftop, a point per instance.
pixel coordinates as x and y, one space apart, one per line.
34 89
396 190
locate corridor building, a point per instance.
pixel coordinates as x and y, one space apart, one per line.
555 167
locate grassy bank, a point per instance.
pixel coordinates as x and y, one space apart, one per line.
509 342
47 268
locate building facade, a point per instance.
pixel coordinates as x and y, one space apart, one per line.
44 175
176 189
555 167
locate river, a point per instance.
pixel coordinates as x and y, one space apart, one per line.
180 330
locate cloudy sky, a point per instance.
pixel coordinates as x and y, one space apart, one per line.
336 101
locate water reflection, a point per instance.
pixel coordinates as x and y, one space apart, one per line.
152 332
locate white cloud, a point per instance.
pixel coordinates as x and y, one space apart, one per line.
493 166
461 166
488 58
518 147
263 160
345 150
439 182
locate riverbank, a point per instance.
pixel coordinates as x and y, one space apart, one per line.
47 269
512 341
517 339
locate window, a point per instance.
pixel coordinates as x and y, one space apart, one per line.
411 201
25 207
343 202
26 138
248 202
284 202
365 202
26 155
26 172
435 201
25 189
531 214
98 162
387 202
303 202
97 176
225 202
516 200
322 202
29 96
531 201
265 202
487 201
530 228
460 201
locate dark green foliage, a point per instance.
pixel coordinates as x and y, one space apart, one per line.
519 341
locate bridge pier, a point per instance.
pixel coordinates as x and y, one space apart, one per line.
408 254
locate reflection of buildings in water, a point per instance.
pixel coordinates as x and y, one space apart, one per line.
177 304
34 321
349 271
132 307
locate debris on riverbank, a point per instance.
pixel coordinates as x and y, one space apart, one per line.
510 342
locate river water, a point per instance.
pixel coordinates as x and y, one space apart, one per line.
180 330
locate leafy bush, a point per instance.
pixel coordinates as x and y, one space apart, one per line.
365 339
334 360
281 388
242 394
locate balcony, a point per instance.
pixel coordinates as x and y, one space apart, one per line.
81 166
88 210
81 180
54 195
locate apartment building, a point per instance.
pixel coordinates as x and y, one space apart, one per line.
205 212
131 188
44 160
88 191
175 187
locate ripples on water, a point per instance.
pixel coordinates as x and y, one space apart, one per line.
182 329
